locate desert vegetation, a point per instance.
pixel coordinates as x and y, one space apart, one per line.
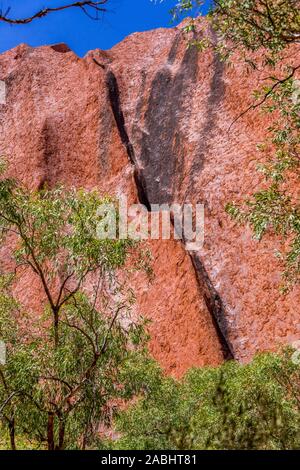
272 28
66 359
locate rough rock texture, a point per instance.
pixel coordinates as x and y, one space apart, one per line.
150 119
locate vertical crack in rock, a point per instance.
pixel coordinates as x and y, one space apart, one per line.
214 304
212 298
175 90
114 99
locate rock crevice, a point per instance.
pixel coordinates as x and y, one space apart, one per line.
114 99
211 297
215 306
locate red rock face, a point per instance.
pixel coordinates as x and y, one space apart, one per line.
150 119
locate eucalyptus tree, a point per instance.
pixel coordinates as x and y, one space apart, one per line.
233 406
63 375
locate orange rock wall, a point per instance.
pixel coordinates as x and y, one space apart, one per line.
150 119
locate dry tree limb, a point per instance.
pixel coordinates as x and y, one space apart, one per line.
278 82
96 6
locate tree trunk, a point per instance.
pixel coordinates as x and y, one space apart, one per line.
50 431
56 338
11 427
61 434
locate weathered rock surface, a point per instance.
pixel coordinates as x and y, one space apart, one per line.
150 119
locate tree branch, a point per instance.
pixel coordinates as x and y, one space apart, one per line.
266 95
97 6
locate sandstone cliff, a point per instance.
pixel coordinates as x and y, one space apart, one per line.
150 119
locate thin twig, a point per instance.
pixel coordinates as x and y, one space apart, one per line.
266 95
45 11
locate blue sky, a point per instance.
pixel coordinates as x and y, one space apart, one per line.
77 30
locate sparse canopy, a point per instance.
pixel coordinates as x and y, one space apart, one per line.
65 361
265 35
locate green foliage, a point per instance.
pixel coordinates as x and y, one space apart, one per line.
58 228
255 406
271 27
276 208
243 27
258 25
65 369
248 25
149 424
75 381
